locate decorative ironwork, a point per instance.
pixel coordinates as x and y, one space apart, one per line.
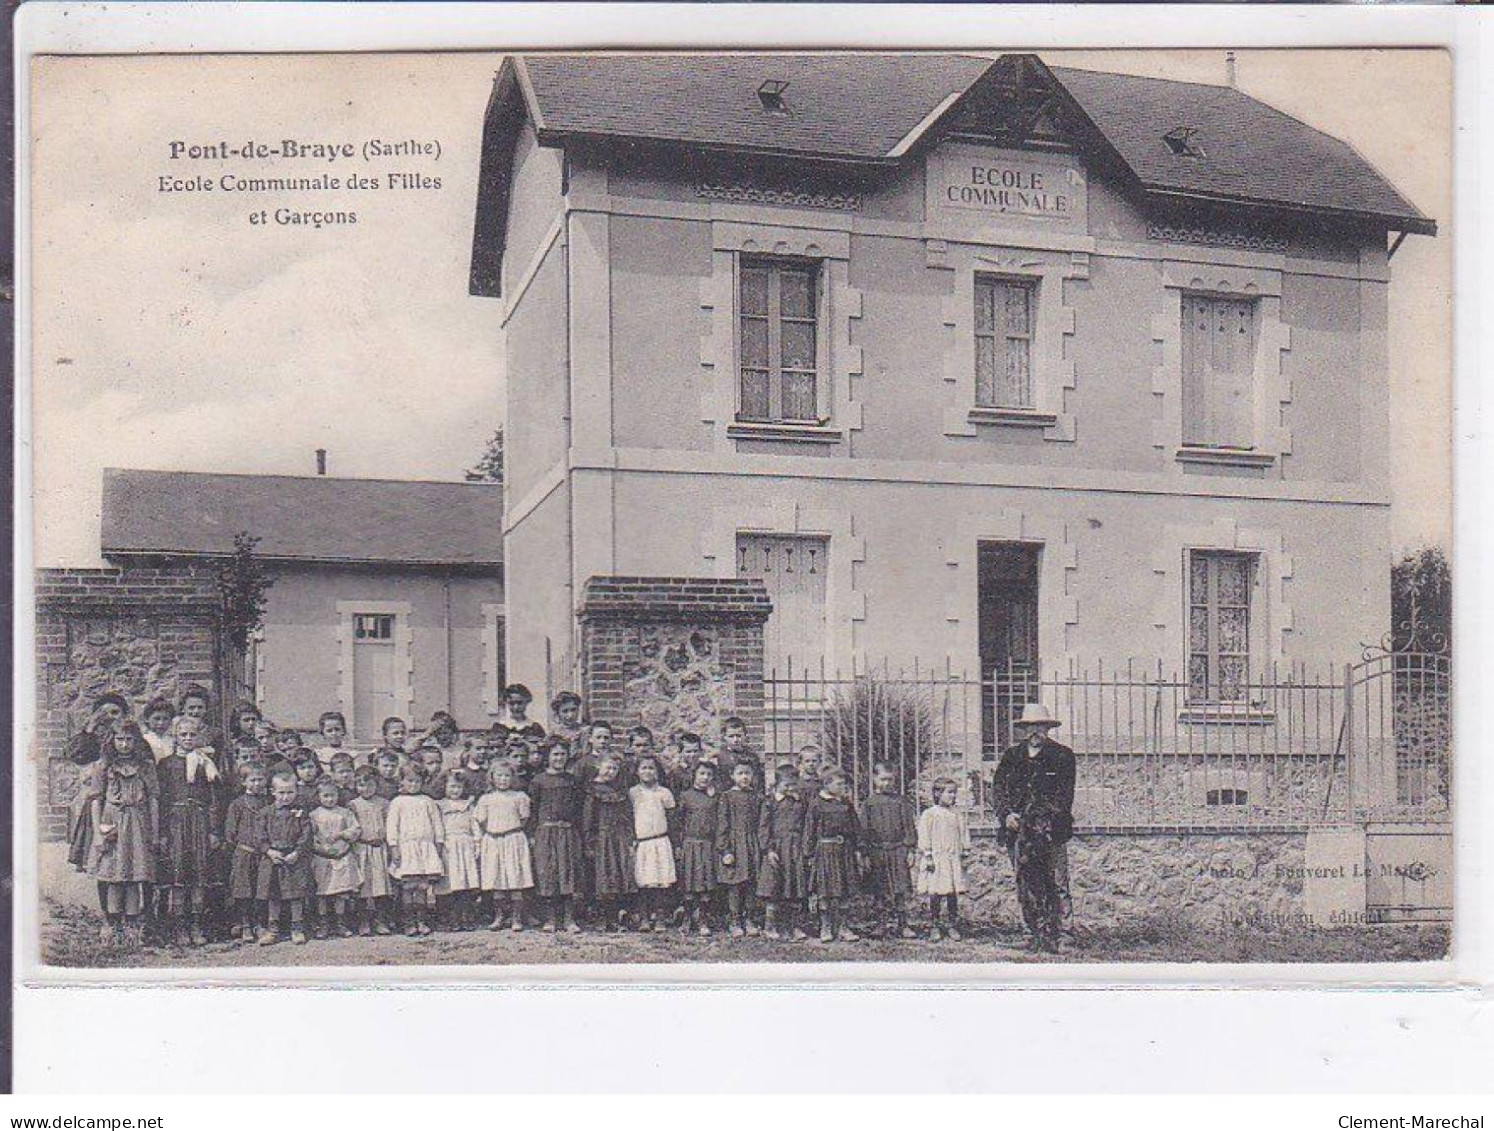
1410 635
794 198
1213 238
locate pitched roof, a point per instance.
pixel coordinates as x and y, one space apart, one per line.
303 518
852 105
1248 150
876 109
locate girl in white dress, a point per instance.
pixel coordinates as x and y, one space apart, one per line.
415 833
504 862
334 863
943 841
653 858
459 885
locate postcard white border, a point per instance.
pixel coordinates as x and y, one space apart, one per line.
131 28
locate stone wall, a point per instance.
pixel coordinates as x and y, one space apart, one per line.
1207 879
674 653
142 632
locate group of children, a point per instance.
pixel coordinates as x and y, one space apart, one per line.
268 837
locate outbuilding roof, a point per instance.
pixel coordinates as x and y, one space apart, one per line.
878 108
303 518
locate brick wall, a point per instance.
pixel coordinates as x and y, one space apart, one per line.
142 632
674 652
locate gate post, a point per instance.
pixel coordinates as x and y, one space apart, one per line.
674 652
1350 774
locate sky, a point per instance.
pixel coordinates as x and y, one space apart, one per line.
171 332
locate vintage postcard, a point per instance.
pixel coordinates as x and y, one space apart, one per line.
951 511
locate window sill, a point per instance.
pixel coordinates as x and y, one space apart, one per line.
1016 417
1224 457
799 433
1227 714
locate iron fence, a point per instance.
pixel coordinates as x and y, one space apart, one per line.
1289 749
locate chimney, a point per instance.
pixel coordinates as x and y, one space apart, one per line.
321 461
1230 71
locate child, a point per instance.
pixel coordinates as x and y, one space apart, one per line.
682 770
241 833
158 715
653 853
334 865
431 759
735 750
460 882
737 819
598 746
371 810
284 879
640 745
809 770
122 854
556 795
393 733
243 743
343 769
942 842
190 822
505 864
607 821
830 844
782 879
474 769
889 825
333 729
697 850
415 833
565 718
287 742
446 736
388 764
308 773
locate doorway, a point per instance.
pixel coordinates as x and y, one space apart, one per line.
1007 620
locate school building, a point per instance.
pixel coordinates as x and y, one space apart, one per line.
976 363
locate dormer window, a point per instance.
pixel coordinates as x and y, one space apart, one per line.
770 94
1183 142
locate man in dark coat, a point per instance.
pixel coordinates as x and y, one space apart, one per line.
1033 799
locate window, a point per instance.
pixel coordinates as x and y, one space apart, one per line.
1003 342
794 568
1219 629
1216 797
778 341
373 626
1218 371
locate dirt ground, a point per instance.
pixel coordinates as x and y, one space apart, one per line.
70 939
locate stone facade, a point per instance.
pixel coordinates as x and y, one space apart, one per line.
673 653
1208 880
142 632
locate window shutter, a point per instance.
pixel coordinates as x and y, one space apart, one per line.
1218 372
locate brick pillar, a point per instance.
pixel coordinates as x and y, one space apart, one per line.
674 652
140 631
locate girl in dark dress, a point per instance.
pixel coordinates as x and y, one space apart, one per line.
889 826
241 836
697 847
191 821
782 879
285 878
737 819
831 838
607 824
557 798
